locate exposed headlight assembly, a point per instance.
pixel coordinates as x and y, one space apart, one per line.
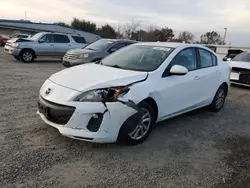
102 95
15 45
84 56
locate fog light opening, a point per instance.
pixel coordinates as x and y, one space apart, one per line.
95 122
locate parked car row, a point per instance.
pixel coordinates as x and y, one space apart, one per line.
43 44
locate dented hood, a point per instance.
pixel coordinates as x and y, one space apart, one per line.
18 40
94 76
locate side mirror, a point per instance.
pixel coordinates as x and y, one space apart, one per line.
41 41
178 70
226 59
112 50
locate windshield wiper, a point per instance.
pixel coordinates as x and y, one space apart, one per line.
115 66
99 62
89 48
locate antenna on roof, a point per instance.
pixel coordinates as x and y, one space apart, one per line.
25 16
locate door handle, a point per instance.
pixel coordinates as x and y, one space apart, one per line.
51 44
197 77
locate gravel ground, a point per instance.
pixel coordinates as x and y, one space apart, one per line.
198 149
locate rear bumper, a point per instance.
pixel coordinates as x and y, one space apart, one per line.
242 76
239 83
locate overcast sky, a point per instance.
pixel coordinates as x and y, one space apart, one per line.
197 16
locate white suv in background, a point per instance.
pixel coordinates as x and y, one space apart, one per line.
43 44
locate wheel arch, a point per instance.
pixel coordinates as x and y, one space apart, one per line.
225 85
30 49
153 104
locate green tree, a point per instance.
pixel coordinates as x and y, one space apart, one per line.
84 25
62 24
107 31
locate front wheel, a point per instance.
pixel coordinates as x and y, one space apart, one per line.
27 56
138 127
219 99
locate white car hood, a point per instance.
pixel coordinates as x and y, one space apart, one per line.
239 64
93 76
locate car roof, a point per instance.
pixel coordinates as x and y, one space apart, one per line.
119 40
170 44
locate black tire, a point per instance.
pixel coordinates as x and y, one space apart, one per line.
132 123
27 56
215 106
17 58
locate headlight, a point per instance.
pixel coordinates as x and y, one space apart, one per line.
84 56
102 95
15 45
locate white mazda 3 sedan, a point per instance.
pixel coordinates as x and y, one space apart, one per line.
125 94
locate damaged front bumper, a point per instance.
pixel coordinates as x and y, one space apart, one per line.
88 121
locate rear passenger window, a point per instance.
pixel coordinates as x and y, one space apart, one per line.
186 58
206 59
79 39
61 39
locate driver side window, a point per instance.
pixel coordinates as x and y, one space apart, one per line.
186 58
47 38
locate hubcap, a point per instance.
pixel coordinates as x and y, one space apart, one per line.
27 56
143 125
220 97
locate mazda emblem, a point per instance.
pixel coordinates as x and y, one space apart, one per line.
48 91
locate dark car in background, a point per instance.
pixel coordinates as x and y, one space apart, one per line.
94 52
3 39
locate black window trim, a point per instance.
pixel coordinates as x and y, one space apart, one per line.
211 54
61 42
79 37
115 43
53 37
166 71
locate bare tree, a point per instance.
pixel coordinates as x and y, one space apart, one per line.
211 38
130 28
186 37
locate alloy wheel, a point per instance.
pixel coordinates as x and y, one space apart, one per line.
27 56
220 97
143 125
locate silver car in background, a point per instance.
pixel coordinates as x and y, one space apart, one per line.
94 52
240 66
44 44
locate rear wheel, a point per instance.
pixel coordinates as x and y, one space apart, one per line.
138 127
17 58
27 56
219 99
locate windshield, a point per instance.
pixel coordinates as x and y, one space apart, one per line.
242 57
138 57
99 45
36 36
